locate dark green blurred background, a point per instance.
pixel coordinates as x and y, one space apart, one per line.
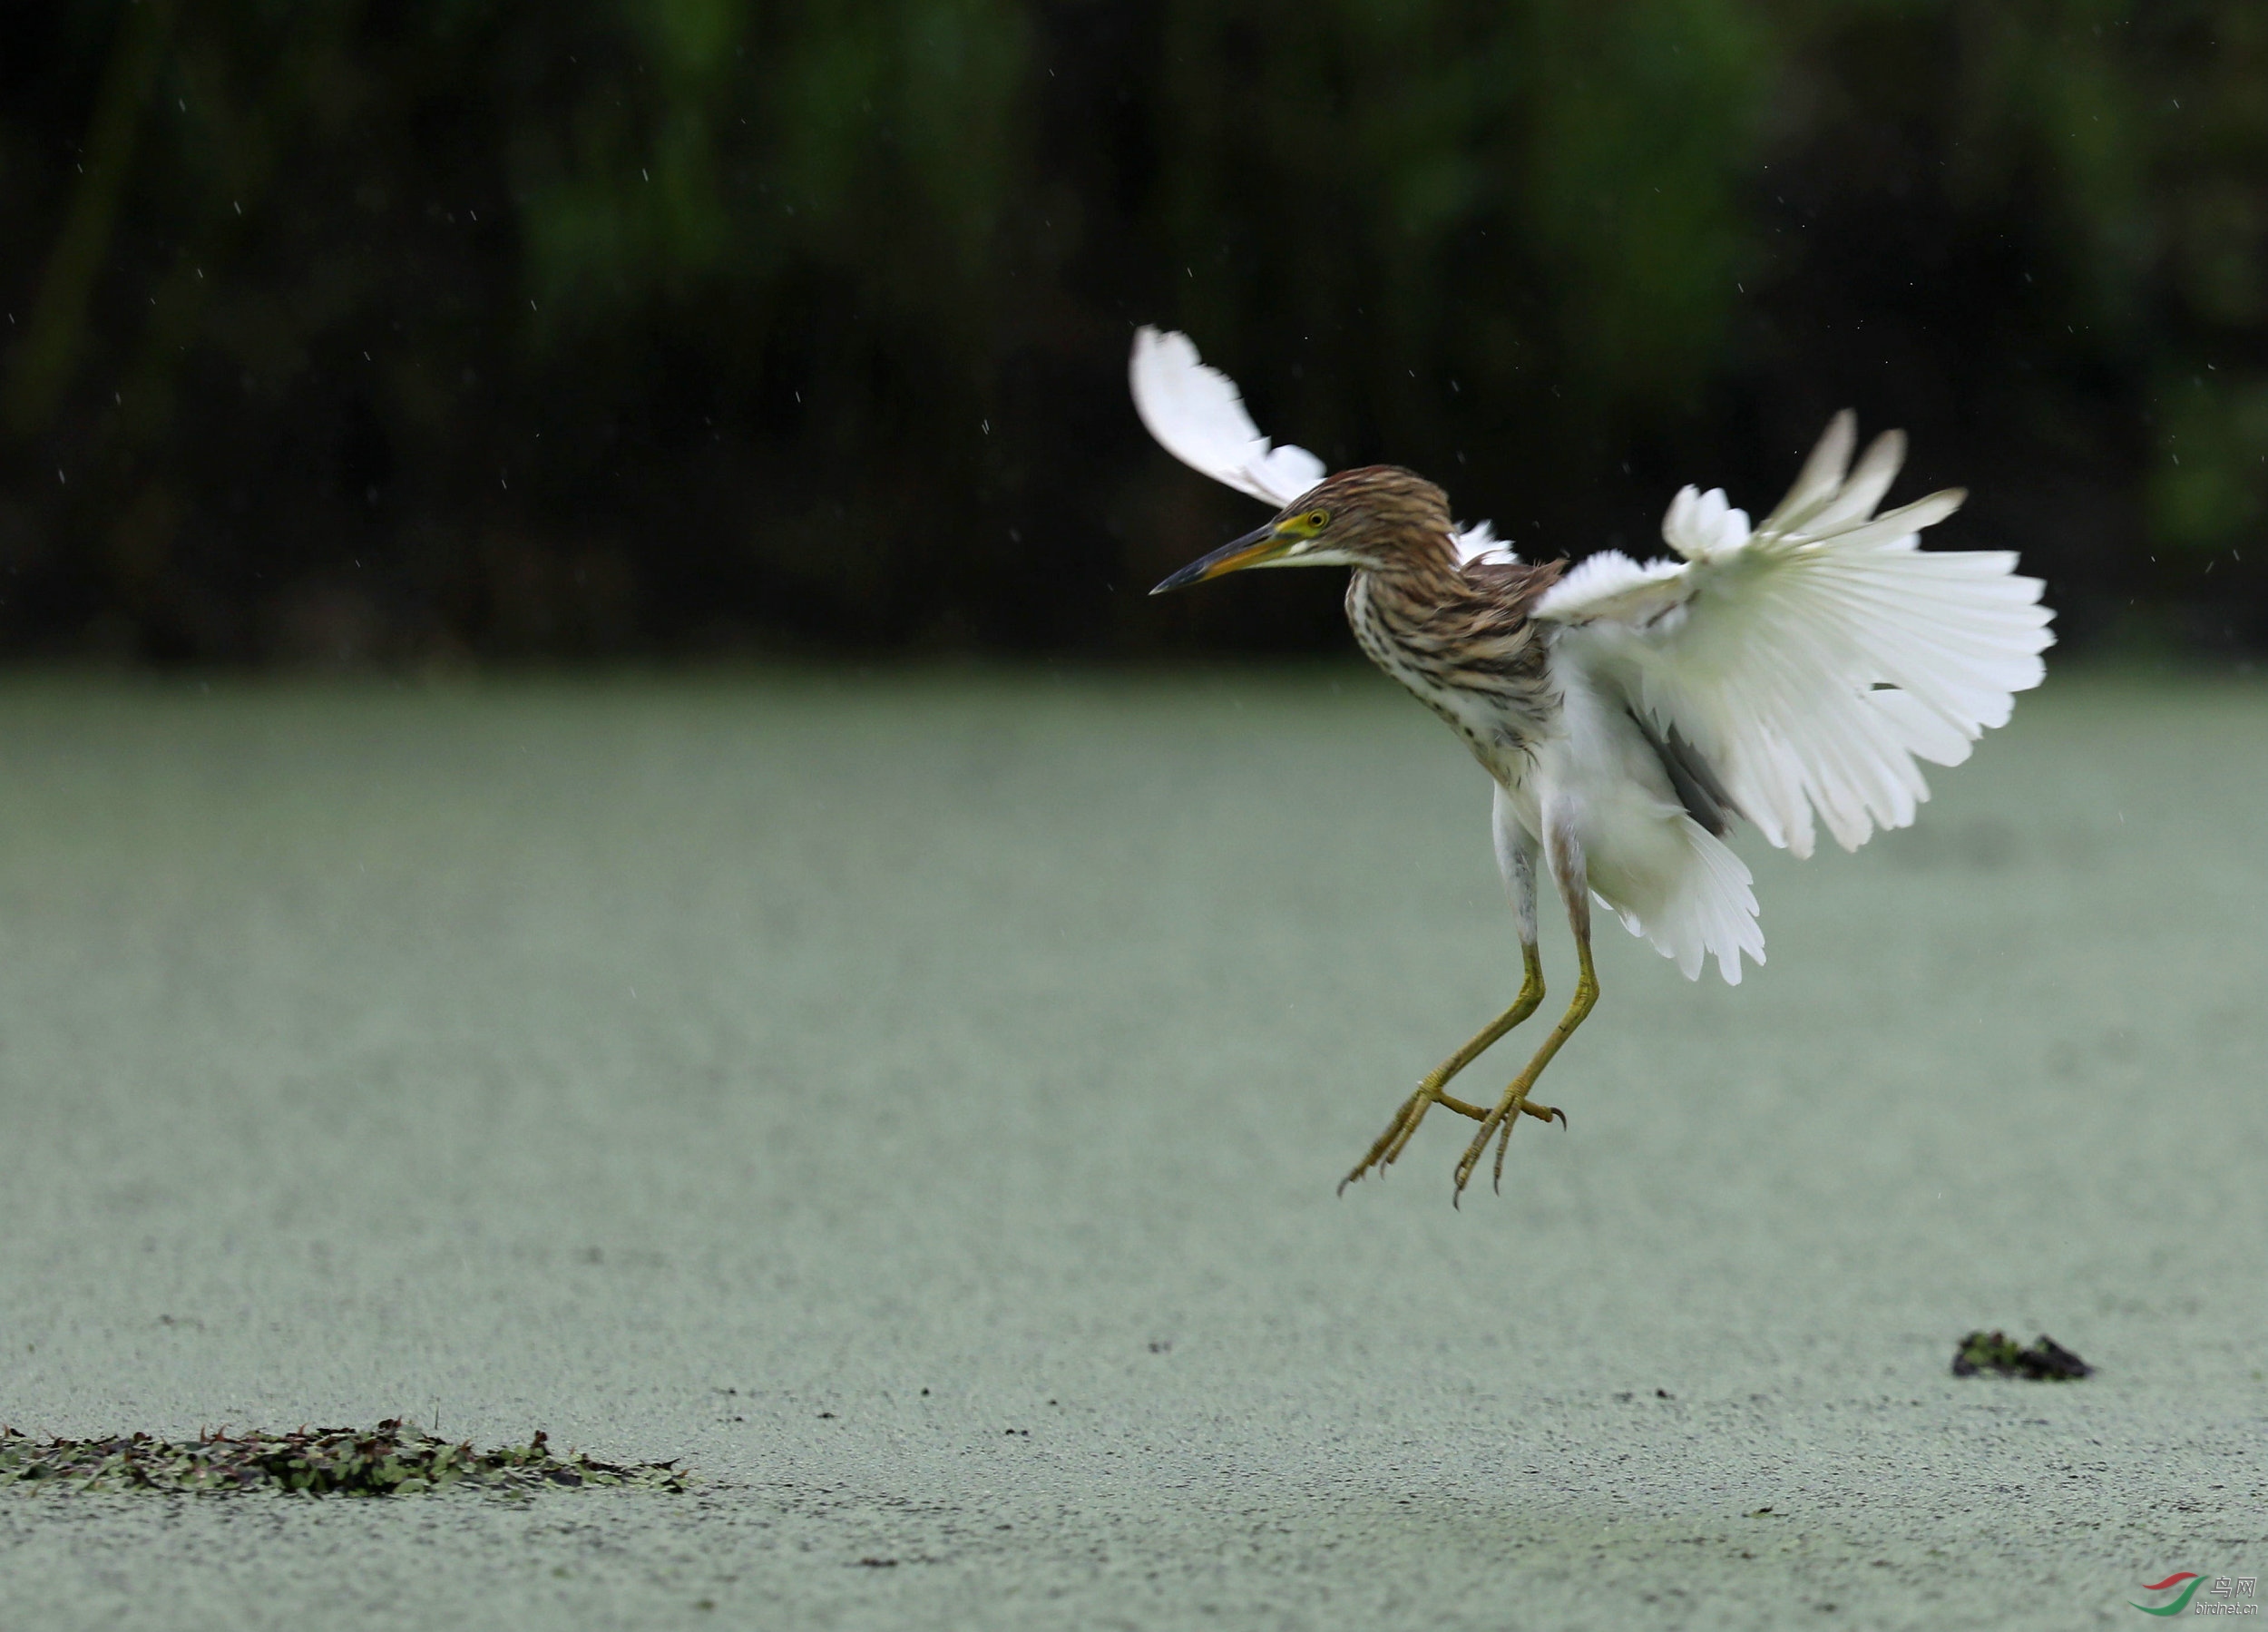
408 333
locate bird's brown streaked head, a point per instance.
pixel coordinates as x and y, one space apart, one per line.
1380 517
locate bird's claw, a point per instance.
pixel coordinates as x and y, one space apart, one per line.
1498 1124
1389 1144
1504 1138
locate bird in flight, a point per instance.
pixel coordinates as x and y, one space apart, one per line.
1782 673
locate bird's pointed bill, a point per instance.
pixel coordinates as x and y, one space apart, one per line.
1255 549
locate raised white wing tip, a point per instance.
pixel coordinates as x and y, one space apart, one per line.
1197 415
1829 499
1699 525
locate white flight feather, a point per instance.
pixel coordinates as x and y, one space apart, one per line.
1813 659
1197 417
1196 414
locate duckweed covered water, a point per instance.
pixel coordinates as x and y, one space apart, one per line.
916 1102
392 1459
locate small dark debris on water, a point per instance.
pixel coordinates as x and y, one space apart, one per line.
2047 1360
877 1563
390 1459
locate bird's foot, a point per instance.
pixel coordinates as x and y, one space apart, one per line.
1499 1124
1390 1143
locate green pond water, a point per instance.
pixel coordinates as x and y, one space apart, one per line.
916 1102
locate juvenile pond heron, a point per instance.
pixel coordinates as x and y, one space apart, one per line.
1628 714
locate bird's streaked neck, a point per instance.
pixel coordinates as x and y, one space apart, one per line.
1418 562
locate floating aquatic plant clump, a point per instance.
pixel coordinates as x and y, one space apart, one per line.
394 1459
2047 1361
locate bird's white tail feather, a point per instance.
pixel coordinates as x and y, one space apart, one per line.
1708 910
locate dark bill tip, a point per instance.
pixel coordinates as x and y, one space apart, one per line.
1236 553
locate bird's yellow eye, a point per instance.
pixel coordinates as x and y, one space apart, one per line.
1316 520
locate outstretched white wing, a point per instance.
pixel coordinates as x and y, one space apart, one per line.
1813 659
1199 417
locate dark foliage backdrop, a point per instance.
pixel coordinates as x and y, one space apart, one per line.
436 330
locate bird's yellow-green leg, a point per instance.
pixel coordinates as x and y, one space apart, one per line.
1498 1123
1390 1143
